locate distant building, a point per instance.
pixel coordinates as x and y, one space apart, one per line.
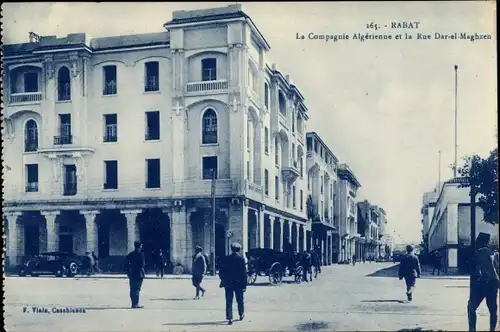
323 195
427 211
449 230
349 236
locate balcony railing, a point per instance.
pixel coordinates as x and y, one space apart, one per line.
64 139
30 146
110 138
31 187
26 97
69 189
205 86
110 88
152 84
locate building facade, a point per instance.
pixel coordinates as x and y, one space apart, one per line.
117 139
369 219
348 227
427 211
450 228
323 192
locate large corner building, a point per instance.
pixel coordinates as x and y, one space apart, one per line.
116 139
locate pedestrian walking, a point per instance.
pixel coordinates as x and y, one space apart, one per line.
409 269
96 263
484 282
318 260
437 260
134 267
199 270
160 264
88 263
353 260
306 264
233 276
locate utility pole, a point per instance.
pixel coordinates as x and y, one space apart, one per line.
456 144
212 239
472 205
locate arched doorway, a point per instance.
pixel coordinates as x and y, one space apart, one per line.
154 228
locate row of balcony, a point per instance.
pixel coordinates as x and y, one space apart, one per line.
69 188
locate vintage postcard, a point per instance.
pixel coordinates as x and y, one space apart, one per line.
250 166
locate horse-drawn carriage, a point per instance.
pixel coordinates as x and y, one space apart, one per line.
274 264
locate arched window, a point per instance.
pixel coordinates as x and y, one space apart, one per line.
266 95
209 127
63 84
282 103
30 136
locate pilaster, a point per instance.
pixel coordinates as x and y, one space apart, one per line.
52 231
281 234
92 234
132 227
14 238
261 228
271 236
179 251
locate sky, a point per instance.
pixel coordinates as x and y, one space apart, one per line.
386 107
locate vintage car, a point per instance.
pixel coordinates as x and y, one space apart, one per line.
52 263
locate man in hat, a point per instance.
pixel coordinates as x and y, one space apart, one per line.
199 269
409 269
233 276
484 282
134 267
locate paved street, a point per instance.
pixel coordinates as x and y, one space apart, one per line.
342 298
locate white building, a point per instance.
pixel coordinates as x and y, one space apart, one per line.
115 139
348 226
324 192
450 229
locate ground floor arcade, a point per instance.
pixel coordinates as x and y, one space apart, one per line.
176 228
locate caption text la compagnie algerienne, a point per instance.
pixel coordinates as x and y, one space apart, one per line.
396 31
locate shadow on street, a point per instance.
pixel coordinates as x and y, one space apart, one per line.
173 299
390 272
219 322
383 301
418 329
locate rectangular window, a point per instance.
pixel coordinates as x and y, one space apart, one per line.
110 81
209 167
111 174
152 82
70 180
301 200
266 182
152 173
209 69
248 170
293 197
65 136
321 184
110 128
30 82
266 140
277 187
152 126
31 178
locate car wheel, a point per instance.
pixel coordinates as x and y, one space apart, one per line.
22 273
72 269
59 273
